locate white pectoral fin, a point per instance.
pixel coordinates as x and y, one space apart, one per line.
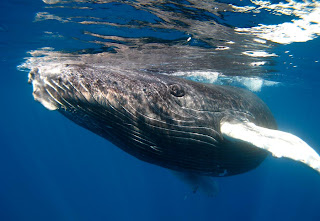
200 183
279 143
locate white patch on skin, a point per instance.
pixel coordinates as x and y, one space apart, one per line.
279 143
38 94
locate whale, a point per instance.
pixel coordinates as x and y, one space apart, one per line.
185 126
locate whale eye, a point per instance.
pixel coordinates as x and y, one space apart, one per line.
176 90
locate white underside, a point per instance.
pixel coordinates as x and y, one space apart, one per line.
279 143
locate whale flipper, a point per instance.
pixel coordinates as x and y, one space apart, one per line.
200 183
278 143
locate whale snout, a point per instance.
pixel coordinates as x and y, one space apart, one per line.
40 90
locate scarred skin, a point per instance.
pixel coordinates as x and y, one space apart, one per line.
160 119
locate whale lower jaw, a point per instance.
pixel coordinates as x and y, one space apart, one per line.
41 93
55 87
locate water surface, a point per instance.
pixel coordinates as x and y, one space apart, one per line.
51 169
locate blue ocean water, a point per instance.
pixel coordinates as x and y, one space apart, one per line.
52 169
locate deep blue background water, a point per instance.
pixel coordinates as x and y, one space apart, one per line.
52 169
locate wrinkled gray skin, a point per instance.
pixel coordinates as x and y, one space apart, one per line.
167 121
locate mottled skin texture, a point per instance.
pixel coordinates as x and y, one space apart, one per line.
167 121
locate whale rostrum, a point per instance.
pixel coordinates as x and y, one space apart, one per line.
182 125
